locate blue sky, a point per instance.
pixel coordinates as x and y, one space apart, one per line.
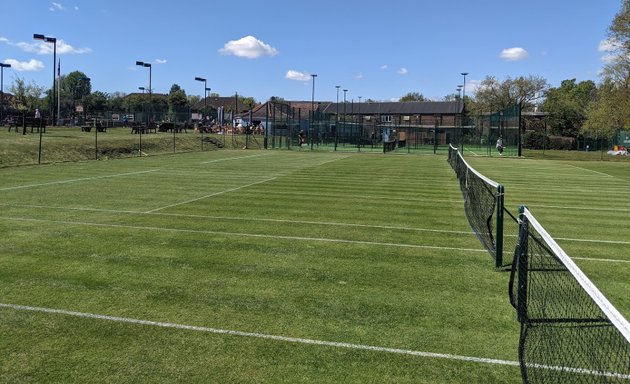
376 49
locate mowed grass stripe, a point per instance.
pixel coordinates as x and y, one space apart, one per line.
278 286
260 335
221 220
247 234
206 263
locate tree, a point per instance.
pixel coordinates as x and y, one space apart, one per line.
73 88
177 101
495 95
567 106
194 99
97 101
608 113
453 97
177 97
412 96
116 102
618 69
250 102
277 99
26 97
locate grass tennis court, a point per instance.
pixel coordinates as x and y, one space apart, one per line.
280 266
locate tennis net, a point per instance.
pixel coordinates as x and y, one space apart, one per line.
570 333
483 204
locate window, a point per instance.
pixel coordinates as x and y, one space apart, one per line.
386 119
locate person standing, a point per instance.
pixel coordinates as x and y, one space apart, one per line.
500 145
301 138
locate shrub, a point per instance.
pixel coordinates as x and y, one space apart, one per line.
562 142
535 140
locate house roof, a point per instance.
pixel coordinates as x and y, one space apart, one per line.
399 108
281 109
227 103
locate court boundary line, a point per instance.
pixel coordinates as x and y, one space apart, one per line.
75 180
210 195
323 223
231 158
589 170
301 340
289 339
243 234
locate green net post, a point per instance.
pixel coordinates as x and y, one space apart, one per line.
499 236
522 267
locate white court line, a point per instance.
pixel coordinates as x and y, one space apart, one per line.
331 223
589 170
76 180
604 260
210 195
594 241
243 234
237 218
231 158
574 208
299 340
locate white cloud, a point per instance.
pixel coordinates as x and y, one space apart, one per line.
248 47
56 7
514 54
394 99
44 48
403 71
359 76
63 47
25 66
384 66
160 61
297 76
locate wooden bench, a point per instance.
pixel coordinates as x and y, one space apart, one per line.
95 124
137 128
12 123
26 122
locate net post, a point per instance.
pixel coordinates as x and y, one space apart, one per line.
499 236
522 265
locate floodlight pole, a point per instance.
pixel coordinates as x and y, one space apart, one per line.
2 67
148 65
337 117
464 87
52 40
205 107
312 109
344 108
359 125
464 122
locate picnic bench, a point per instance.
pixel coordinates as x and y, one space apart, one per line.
26 122
137 127
11 122
94 124
170 126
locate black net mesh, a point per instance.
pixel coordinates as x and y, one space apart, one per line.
566 337
480 199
